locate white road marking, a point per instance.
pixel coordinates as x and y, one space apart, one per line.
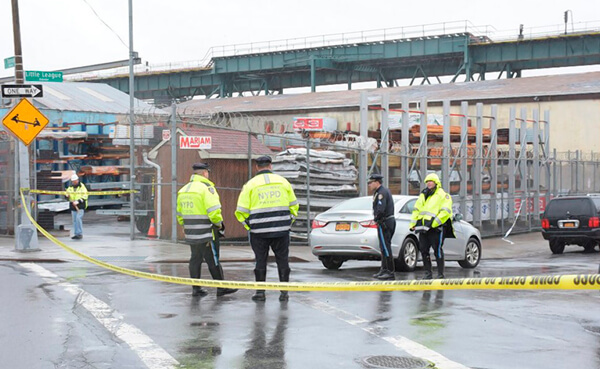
151 354
411 347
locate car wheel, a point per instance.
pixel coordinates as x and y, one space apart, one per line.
557 246
407 259
332 263
472 254
589 246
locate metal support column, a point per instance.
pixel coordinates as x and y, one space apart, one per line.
313 74
536 168
493 154
523 166
363 129
385 139
478 173
464 139
405 148
446 149
174 142
424 138
512 138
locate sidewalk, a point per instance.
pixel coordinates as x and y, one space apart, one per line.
116 245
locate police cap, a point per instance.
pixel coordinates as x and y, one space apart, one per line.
264 160
375 177
199 166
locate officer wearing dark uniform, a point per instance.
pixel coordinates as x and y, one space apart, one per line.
267 207
199 211
383 214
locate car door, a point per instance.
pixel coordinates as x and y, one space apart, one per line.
403 214
454 248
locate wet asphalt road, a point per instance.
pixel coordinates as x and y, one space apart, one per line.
76 315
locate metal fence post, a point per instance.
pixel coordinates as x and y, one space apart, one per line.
174 172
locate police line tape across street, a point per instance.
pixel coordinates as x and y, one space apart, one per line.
547 282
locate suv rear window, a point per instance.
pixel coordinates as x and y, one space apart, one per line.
575 207
597 203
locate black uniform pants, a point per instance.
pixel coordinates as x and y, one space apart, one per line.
385 231
279 245
209 252
433 238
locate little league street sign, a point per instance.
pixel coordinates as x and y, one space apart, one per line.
25 121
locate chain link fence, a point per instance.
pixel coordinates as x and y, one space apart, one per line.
322 166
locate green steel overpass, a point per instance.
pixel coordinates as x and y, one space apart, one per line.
266 68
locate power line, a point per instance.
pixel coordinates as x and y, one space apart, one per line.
101 20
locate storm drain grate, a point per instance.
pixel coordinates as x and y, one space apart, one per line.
113 259
395 362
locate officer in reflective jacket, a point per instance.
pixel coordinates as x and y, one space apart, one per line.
267 207
432 220
77 194
383 215
199 212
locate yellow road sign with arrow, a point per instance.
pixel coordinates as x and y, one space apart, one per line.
25 121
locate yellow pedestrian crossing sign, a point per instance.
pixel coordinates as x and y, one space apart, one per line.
25 121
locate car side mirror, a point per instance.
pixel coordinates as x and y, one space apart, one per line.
458 217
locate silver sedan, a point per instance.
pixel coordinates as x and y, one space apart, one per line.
347 232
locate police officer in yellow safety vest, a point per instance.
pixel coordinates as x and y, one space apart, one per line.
199 211
77 194
432 220
267 207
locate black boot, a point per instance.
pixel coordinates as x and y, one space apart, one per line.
284 276
386 276
260 276
217 273
427 267
380 272
198 291
440 268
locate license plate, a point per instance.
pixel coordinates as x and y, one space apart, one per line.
569 224
342 226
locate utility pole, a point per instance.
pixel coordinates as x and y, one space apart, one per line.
131 127
26 234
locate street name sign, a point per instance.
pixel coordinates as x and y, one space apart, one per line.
40 76
25 121
9 91
9 62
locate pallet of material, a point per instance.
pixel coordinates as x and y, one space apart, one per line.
104 170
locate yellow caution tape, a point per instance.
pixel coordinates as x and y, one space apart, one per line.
547 282
90 193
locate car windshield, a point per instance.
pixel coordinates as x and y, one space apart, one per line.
575 207
359 203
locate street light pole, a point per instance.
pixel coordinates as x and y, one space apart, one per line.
131 128
25 233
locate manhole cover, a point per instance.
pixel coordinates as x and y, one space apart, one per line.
395 362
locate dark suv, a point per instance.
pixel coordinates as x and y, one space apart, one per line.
572 221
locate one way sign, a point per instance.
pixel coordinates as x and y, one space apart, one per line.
9 91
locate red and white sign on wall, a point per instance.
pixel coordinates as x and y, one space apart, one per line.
195 142
166 134
542 202
308 124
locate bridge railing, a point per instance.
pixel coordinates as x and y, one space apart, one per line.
484 33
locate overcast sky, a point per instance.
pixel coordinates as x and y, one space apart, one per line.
58 34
